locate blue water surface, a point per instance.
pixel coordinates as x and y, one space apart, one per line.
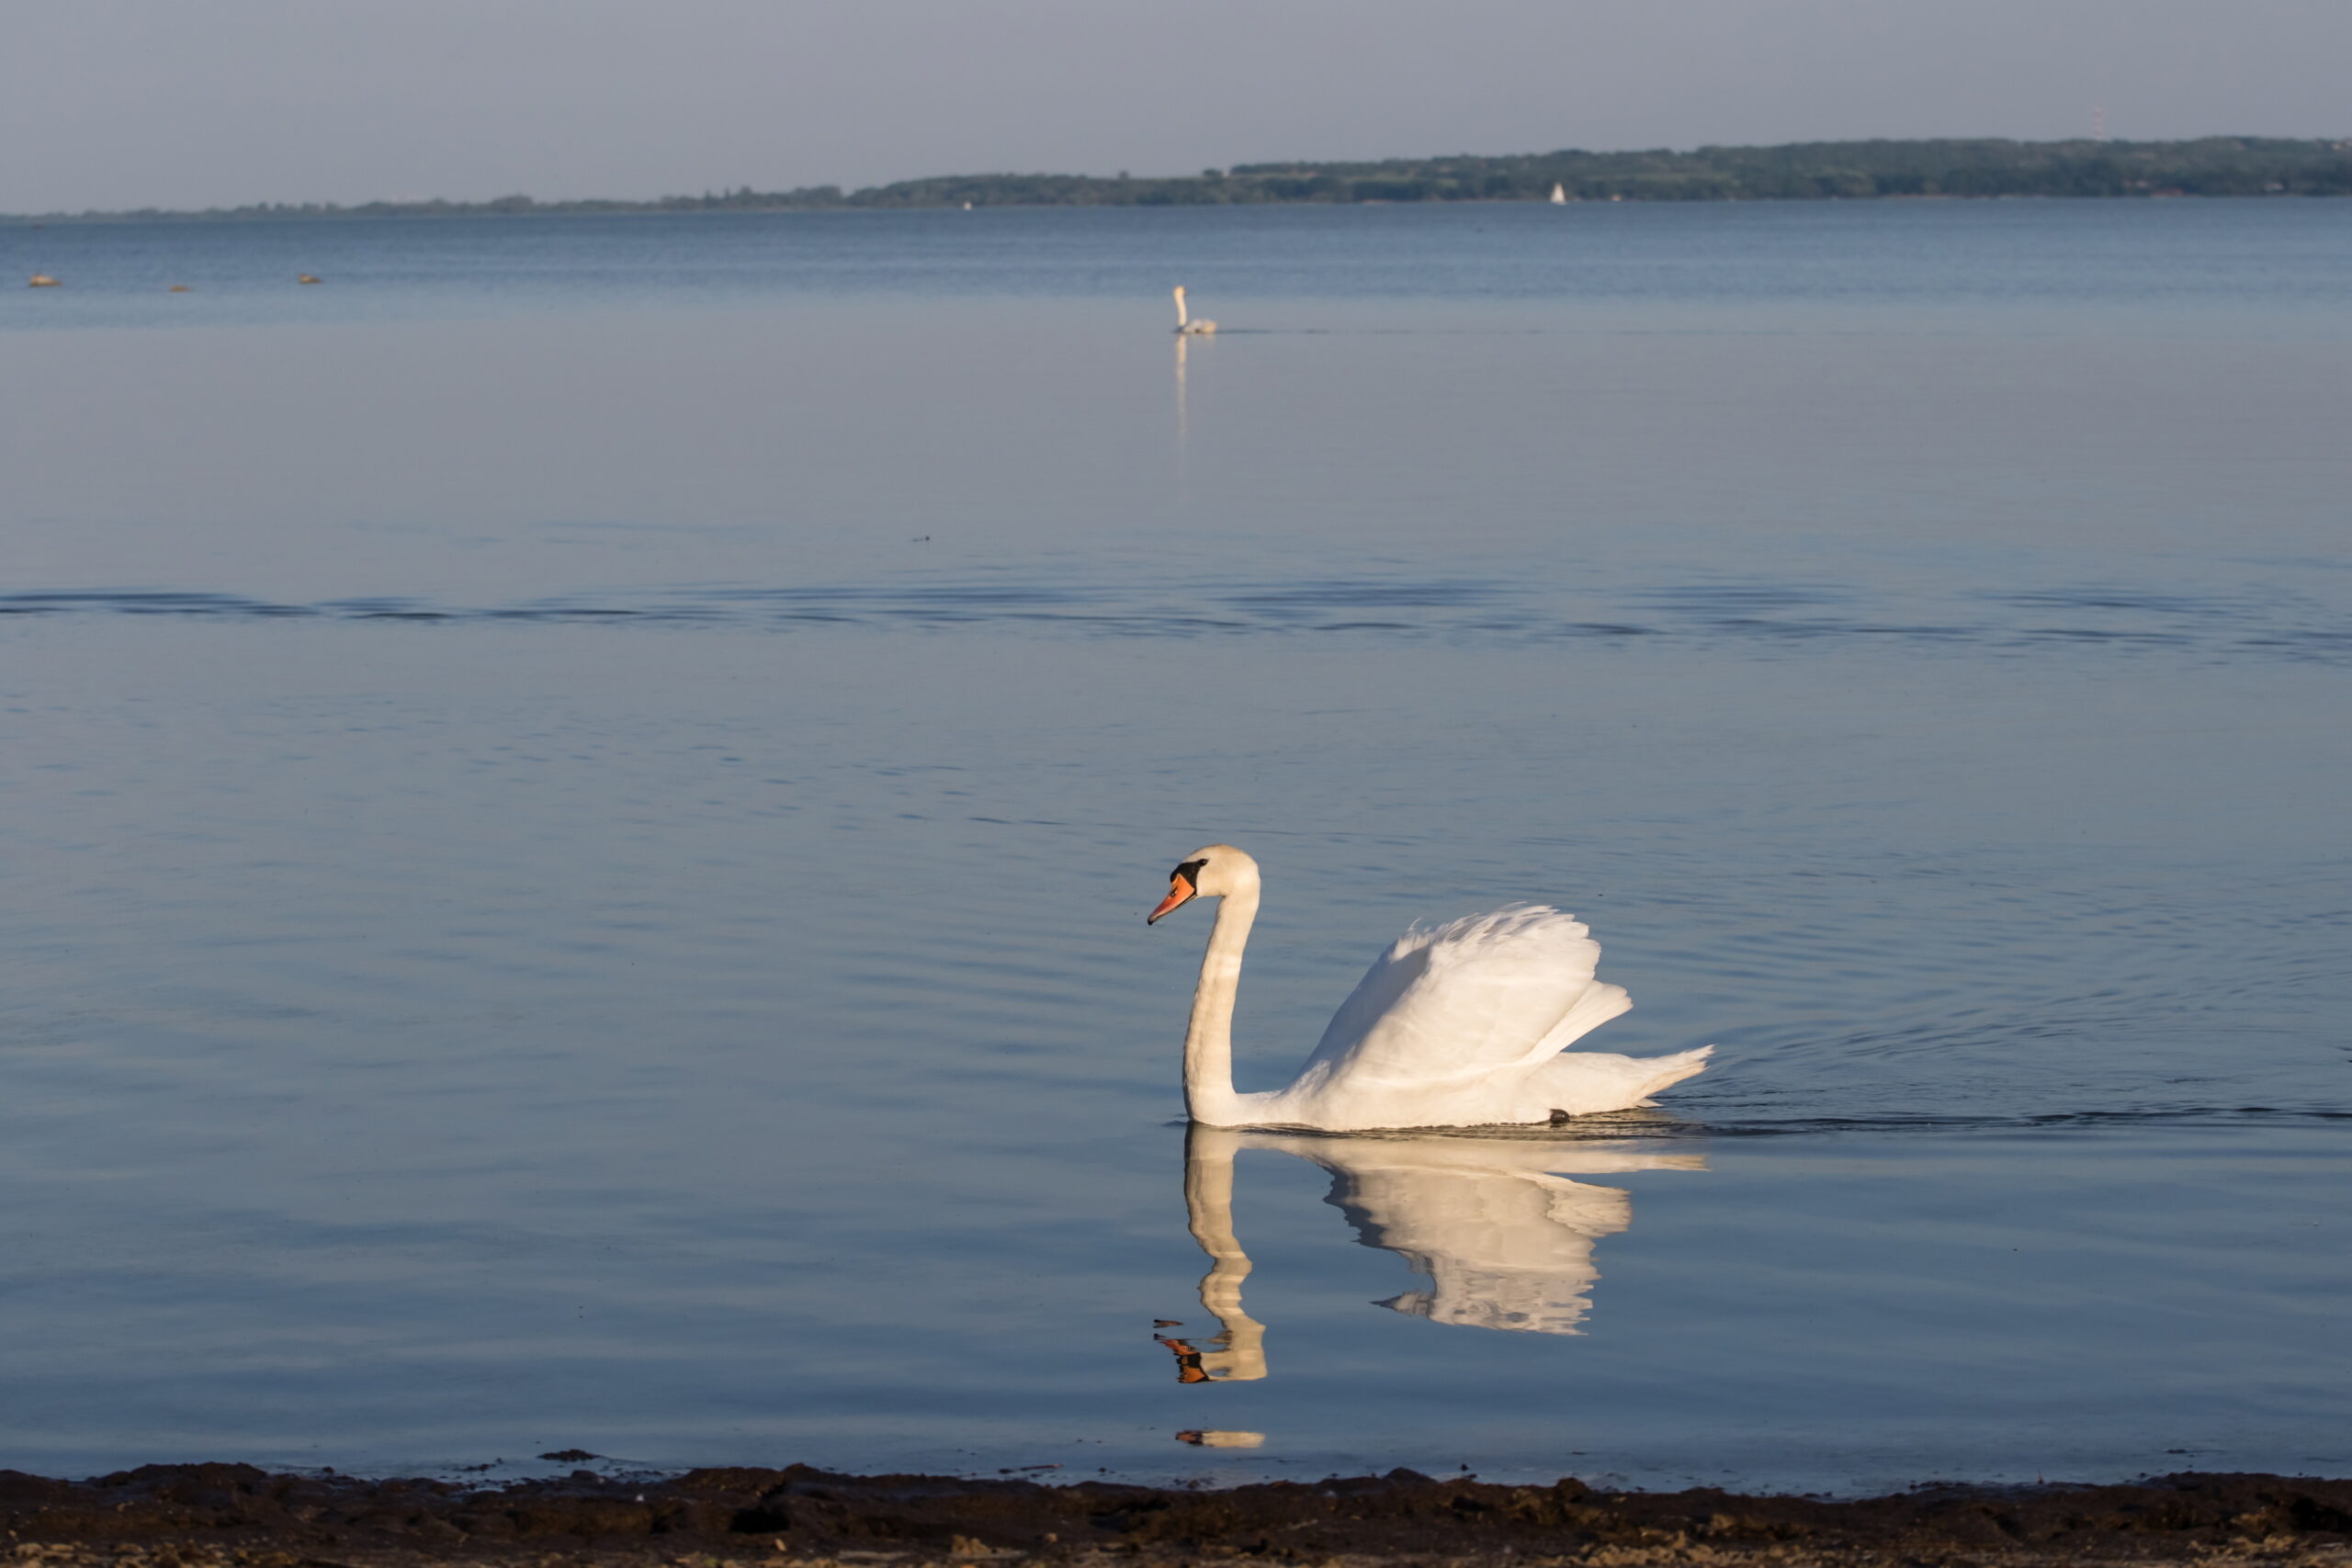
576 801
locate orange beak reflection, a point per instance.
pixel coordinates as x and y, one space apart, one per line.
1179 892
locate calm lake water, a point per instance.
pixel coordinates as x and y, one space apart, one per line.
578 799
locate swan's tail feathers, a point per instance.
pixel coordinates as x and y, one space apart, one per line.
1672 1070
1600 1003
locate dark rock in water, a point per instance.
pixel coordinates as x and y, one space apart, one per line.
236 1516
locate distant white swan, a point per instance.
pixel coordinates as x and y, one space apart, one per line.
1184 323
1459 1025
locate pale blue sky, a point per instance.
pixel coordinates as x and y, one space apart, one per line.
119 103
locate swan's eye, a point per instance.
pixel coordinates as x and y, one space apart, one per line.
1189 871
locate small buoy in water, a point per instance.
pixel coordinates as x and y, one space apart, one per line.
41 280
305 277
176 289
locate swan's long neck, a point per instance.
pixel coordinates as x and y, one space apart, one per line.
1181 317
1208 1039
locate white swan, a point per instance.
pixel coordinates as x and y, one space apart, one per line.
1185 325
1459 1025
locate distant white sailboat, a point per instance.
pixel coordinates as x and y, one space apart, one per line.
1559 196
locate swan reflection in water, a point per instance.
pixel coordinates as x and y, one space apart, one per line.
1502 1239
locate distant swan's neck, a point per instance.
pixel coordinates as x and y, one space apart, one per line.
1208 1039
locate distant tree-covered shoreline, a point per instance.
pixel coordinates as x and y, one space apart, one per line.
1811 171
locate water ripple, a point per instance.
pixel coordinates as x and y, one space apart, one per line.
2274 626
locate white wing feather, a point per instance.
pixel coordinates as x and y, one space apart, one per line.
1470 1000
1465 1024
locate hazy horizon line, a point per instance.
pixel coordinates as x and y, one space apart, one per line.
831 196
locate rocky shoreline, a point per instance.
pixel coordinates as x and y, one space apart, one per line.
236 1516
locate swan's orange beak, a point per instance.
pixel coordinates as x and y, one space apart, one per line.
1179 892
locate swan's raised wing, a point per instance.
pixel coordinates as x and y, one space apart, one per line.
1468 1001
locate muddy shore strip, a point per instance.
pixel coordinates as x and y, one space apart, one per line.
234 1515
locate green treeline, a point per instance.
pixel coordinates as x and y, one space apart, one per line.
2218 166
1812 171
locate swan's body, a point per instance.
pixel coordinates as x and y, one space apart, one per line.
1185 325
1459 1025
